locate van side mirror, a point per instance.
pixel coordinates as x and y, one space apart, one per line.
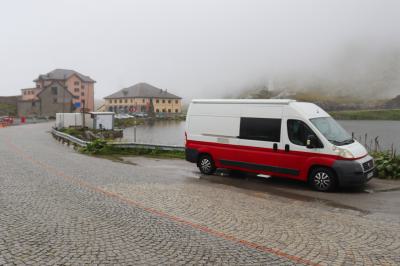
312 142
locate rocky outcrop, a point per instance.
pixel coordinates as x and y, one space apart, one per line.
393 103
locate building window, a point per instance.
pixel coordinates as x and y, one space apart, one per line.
157 101
38 86
264 129
169 110
76 89
157 110
55 100
176 111
142 100
120 100
82 87
126 100
163 110
76 83
33 104
176 101
163 101
75 97
54 90
169 101
131 100
82 94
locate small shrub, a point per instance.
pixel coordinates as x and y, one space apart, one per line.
97 146
387 165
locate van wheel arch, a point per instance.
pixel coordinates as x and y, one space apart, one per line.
313 168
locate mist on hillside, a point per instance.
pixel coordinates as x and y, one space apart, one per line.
360 72
208 48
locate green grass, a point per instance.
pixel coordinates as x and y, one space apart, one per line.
100 147
8 109
389 114
128 122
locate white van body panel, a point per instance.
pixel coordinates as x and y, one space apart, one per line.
225 132
219 121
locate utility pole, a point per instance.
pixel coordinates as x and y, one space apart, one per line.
83 115
63 107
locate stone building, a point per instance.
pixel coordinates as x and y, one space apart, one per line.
78 86
52 99
143 98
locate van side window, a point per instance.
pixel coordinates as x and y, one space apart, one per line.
265 129
298 132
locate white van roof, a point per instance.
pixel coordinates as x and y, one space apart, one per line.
244 101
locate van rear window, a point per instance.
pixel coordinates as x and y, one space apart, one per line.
264 129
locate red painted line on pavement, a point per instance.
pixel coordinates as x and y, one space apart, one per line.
176 219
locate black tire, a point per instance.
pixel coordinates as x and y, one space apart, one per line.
323 179
206 164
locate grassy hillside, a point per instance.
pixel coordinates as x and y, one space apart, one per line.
8 109
389 114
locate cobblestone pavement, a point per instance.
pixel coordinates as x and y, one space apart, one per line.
61 207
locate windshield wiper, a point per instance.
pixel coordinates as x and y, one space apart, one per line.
347 141
334 141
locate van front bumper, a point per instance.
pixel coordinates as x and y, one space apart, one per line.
356 172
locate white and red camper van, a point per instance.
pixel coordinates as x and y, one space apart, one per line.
283 138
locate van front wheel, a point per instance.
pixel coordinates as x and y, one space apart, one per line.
323 179
206 165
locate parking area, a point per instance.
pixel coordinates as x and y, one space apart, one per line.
58 206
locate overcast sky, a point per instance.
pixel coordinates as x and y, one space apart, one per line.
200 48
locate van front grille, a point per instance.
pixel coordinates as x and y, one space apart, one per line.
368 165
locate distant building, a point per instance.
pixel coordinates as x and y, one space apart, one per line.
143 98
50 100
74 91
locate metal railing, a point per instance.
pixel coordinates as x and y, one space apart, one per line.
130 145
68 138
147 146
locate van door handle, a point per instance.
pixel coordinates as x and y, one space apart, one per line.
275 146
287 147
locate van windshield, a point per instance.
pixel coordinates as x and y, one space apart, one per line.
332 130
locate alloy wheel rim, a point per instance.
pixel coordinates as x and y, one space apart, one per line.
206 165
322 180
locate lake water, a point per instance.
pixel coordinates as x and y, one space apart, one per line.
172 132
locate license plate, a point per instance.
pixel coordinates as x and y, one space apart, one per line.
370 175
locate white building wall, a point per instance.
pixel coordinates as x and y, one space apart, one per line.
65 120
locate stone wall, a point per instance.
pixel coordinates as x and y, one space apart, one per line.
55 99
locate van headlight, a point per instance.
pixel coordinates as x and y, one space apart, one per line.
343 152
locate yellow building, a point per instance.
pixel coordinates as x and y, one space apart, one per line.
143 98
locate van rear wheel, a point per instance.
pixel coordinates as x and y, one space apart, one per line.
206 165
323 179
